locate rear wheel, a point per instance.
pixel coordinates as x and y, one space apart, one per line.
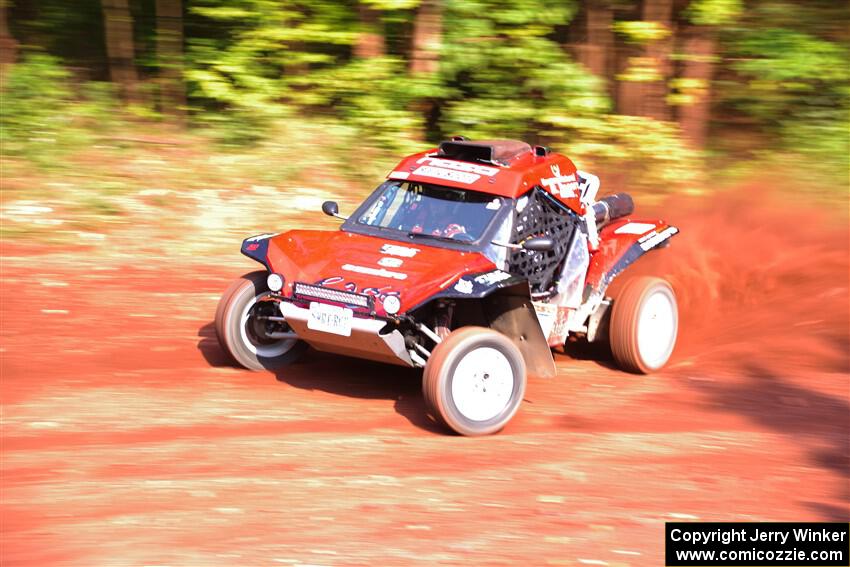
644 325
474 381
246 333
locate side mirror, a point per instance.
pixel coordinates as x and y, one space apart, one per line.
330 208
539 244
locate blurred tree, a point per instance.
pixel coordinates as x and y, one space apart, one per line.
120 49
694 85
169 51
793 88
370 42
8 45
692 89
596 48
36 117
643 82
507 77
250 58
760 78
496 59
427 37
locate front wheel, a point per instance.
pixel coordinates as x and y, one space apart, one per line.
644 325
245 331
474 381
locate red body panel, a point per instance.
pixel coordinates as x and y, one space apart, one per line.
411 271
614 245
554 172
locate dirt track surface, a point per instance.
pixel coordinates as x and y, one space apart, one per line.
128 439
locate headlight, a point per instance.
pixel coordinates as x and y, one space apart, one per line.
391 304
275 282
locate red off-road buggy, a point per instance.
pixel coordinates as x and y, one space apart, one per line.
469 261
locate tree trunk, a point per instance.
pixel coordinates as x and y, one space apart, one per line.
427 36
169 53
118 27
648 96
654 103
8 45
595 52
697 74
371 41
629 92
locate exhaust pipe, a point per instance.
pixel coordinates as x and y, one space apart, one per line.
613 207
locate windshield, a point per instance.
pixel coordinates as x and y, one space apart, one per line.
432 210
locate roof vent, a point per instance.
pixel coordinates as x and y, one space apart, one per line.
541 151
488 151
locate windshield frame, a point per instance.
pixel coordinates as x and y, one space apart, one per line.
489 232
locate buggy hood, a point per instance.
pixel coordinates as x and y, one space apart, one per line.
412 271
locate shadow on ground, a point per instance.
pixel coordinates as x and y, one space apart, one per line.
819 423
598 352
211 350
341 376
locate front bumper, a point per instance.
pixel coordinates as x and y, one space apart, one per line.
366 340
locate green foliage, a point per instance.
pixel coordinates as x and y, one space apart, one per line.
373 96
713 12
798 89
390 5
640 70
253 51
523 85
502 71
650 153
641 32
37 118
35 96
42 118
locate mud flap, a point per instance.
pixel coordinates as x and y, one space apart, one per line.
598 322
513 315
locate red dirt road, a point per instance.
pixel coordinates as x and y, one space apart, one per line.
128 439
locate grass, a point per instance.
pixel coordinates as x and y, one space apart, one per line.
151 188
182 191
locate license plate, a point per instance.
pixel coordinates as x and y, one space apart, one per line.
330 319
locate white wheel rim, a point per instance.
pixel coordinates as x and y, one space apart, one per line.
266 351
482 384
656 330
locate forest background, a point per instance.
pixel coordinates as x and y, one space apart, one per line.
235 115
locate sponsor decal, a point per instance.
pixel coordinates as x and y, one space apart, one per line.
378 272
654 238
399 175
492 277
253 246
564 186
380 292
329 280
559 331
463 286
397 250
389 262
460 166
634 228
447 174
